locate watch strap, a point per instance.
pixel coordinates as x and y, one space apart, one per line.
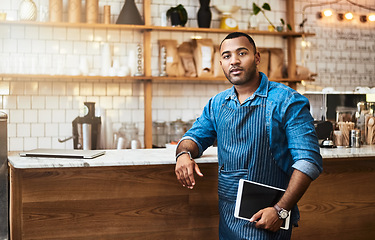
183 152
280 210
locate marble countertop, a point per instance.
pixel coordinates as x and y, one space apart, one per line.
123 157
346 152
154 157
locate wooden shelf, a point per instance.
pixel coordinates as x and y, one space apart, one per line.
128 78
218 30
217 79
78 25
155 28
206 79
47 76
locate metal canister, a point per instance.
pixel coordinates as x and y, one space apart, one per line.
355 138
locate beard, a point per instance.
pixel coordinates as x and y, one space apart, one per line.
247 75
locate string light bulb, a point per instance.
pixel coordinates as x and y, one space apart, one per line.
305 44
363 18
348 16
327 13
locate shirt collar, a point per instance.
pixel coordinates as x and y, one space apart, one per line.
262 90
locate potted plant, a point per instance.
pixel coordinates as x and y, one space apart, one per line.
267 7
281 28
178 15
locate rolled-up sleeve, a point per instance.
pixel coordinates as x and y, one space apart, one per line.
308 168
301 136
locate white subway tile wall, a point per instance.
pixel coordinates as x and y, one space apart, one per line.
41 109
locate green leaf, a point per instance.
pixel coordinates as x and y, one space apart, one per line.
282 21
266 6
183 14
256 9
169 12
181 11
289 27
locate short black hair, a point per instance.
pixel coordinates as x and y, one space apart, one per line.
239 34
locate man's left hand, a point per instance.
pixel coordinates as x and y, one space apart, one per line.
268 219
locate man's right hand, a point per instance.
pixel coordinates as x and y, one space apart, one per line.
184 170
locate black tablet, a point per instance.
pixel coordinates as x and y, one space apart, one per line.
252 197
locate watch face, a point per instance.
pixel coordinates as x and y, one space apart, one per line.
230 22
283 214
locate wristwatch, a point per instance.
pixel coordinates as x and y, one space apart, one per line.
283 214
184 152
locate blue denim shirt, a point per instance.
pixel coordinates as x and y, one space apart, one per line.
289 125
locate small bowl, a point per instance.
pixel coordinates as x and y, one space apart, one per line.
227 9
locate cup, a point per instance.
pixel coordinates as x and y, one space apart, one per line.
135 144
338 138
121 143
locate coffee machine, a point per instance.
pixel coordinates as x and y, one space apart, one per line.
86 129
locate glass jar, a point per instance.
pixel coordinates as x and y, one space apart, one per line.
159 134
129 132
189 124
253 22
177 130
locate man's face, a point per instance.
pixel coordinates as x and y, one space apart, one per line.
238 60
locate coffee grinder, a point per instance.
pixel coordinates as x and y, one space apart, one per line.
86 129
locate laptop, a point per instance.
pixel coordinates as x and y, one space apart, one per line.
63 153
253 196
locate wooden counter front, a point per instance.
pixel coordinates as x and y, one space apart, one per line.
340 203
124 202
147 202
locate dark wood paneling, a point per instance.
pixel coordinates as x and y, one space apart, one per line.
340 204
15 202
133 202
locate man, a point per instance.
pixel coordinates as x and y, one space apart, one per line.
264 133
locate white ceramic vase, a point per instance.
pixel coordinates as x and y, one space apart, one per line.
28 11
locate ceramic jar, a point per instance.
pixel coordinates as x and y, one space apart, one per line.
27 10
